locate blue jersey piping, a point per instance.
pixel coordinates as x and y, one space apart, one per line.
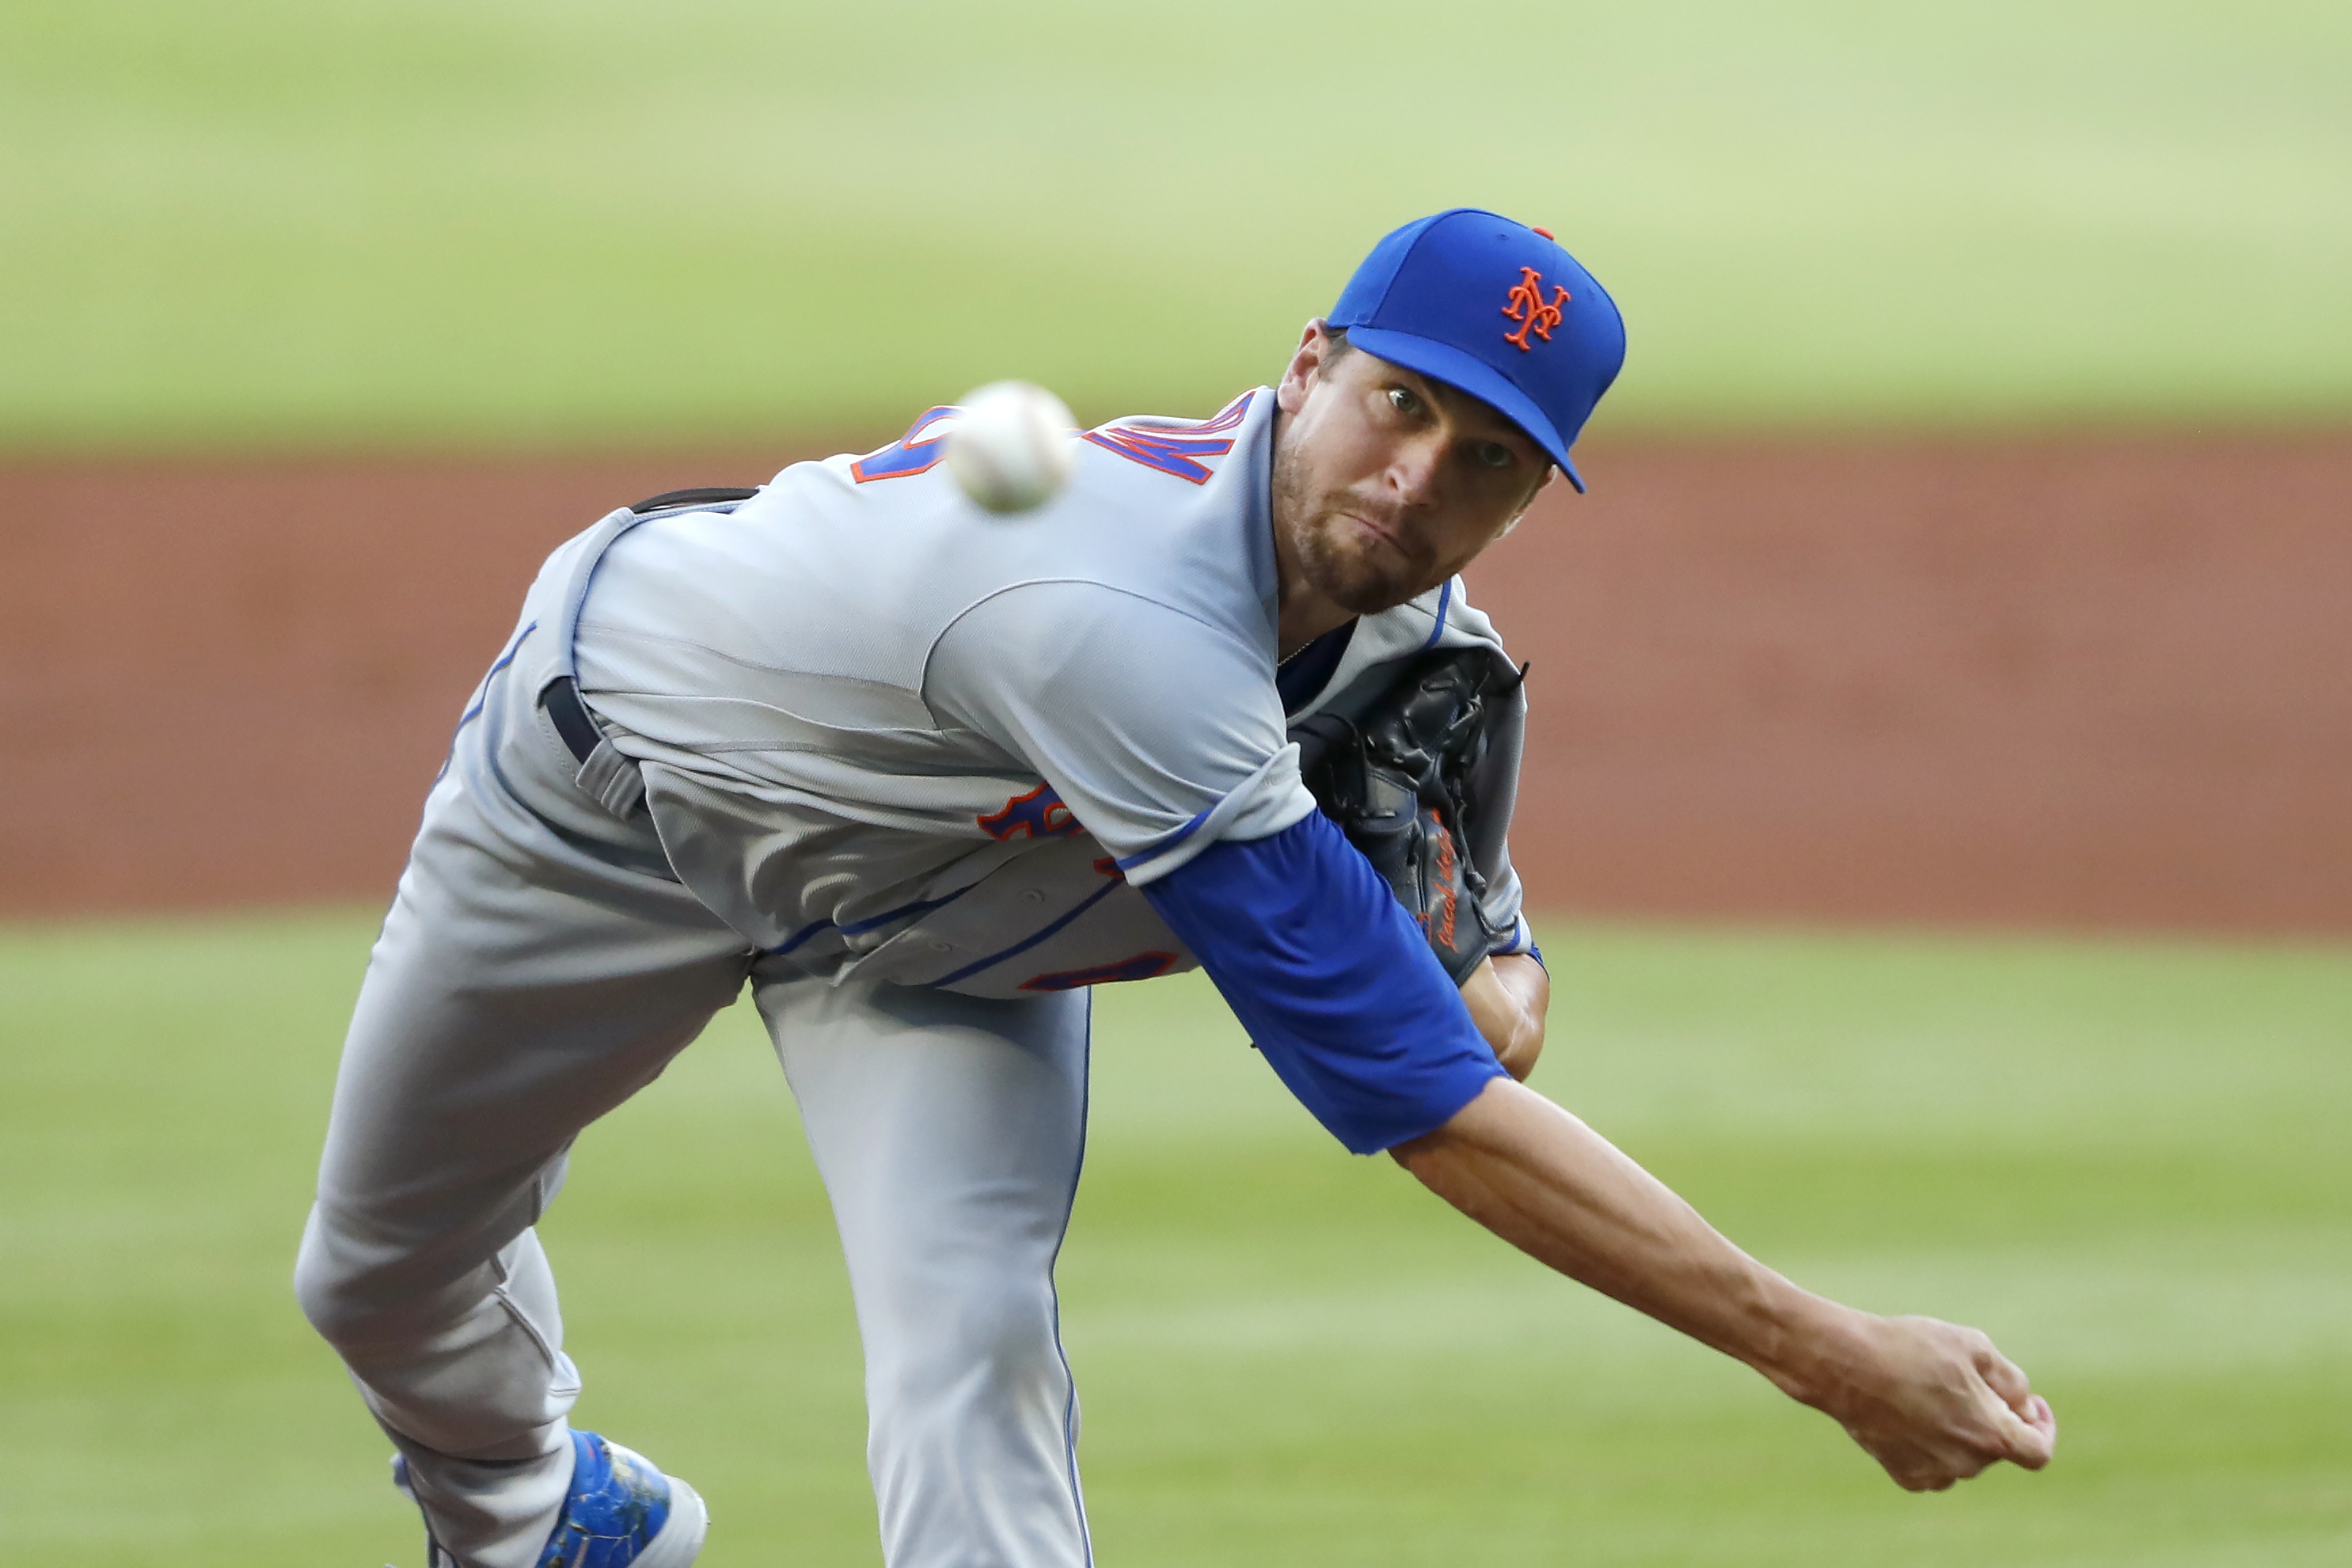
1444 602
1028 942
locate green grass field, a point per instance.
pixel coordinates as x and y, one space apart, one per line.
2127 1160
393 222
264 224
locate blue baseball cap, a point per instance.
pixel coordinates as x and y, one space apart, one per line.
1496 309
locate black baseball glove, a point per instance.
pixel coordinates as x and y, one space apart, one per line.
1405 768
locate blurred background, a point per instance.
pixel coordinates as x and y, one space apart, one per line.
1939 792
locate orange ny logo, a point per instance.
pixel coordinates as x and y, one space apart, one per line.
1526 305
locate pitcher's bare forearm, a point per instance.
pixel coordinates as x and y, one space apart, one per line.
1932 1402
1542 1180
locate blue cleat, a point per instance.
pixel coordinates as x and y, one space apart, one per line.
621 1512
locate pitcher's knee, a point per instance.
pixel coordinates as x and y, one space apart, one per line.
352 1290
325 1288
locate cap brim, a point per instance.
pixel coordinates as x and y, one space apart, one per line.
1466 373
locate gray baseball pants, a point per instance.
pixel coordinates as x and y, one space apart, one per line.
538 966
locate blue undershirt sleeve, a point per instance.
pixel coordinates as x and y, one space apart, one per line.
1336 986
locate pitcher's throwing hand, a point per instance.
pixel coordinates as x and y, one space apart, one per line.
1932 1402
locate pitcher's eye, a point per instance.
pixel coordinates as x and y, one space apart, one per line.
1404 400
1492 454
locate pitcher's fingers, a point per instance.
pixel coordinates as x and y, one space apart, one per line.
2003 1377
2025 1443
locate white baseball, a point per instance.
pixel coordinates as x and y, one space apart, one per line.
1011 450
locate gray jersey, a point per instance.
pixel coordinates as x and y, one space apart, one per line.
882 731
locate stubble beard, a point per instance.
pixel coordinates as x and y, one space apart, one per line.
1336 560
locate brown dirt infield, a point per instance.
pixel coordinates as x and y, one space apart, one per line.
2093 680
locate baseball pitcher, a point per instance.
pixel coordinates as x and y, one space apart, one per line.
919 777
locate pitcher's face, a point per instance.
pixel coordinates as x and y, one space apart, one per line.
1387 482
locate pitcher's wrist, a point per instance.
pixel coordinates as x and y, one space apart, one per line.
1812 1347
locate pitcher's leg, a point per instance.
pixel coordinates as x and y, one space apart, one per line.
948 1130
500 1014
